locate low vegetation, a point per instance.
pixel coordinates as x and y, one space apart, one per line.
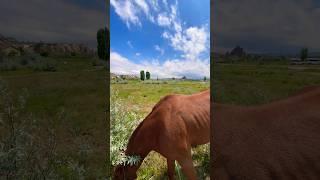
251 83
52 118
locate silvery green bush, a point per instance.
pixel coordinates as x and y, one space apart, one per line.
28 148
123 122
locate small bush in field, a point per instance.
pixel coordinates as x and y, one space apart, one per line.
49 67
8 64
43 64
28 60
123 122
98 62
44 54
24 154
24 61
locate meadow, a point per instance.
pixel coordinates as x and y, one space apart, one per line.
252 83
137 99
68 99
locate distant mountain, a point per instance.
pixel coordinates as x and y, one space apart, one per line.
62 48
8 44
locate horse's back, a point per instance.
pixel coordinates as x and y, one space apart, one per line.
279 140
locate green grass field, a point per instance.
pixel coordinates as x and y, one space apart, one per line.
253 83
72 101
141 97
73 98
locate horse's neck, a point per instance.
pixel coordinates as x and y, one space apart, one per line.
140 142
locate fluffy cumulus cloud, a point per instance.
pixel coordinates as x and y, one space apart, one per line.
170 68
163 20
143 5
130 10
192 43
127 11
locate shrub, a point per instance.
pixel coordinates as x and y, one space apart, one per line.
13 53
24 154
44 54
28 146
42 64
98 62
49 67
8 64
122 122
24 61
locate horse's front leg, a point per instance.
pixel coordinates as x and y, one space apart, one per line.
186 163
171 169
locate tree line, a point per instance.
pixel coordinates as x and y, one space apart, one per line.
144 76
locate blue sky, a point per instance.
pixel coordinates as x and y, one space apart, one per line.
168 38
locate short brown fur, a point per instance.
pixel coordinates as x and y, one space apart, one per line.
278 140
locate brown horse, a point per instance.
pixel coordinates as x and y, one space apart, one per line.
176 123
278 140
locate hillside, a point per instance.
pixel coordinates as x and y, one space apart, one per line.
11 45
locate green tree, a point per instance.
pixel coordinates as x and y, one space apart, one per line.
304 54
142 75
103 42
205 78
148 75
108 43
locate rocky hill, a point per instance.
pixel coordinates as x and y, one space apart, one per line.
6 42
10 45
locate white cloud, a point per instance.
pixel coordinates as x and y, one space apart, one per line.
138 54
127 11
130 44
192 41
154 5
122 65
178 68
157 48
143 5
165 34
163 20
